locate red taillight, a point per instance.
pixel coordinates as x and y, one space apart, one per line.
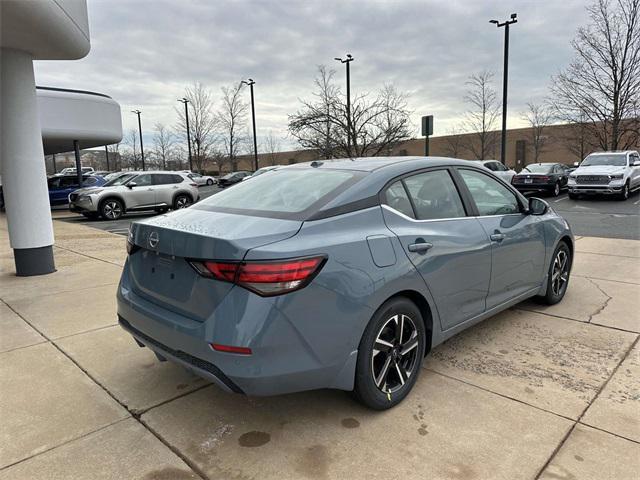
231 349
266 278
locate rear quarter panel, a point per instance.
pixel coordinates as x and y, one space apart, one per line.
338 304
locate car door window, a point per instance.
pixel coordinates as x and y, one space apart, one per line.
489 195
498 167
89 181
143 180
434 195
162 179
396 197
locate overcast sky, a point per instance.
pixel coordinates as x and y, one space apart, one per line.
144 53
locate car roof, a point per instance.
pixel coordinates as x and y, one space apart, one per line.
370 164
614 152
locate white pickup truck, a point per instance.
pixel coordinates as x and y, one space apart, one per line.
610 173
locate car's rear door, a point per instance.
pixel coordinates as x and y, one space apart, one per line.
517 239
448 247
166 185
143 194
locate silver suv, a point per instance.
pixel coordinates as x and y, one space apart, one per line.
135 191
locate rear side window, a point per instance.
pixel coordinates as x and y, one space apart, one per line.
166 179
434 196
396 197
285 192
489 195
89 181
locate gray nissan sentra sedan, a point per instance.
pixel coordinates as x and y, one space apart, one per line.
337 274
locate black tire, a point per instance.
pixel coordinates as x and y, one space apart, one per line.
161 210
91 215
624 195
209 182
111 209
391 388
182 200
573 196
556 190
557 287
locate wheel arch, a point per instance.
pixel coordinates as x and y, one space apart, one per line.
425 310
114 196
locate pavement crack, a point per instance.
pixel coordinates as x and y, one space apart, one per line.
606 303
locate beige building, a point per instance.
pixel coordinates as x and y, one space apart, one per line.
560 143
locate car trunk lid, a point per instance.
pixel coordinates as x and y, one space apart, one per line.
161 272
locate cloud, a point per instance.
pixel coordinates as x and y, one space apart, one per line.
145 52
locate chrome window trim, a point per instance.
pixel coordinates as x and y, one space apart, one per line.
467 217
393 210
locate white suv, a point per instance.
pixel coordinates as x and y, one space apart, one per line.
611 173
134 191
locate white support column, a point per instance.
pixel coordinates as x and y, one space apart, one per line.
22 166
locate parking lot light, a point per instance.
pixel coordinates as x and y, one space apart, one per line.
505 73
138 112
251 83
186 117
349 58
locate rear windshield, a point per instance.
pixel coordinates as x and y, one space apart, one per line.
538 168
283 193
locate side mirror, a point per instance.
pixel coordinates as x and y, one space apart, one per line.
537 206
576 164
132 184
636 163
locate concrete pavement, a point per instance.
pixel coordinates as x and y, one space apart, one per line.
535 392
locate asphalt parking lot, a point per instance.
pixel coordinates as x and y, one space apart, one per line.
594 216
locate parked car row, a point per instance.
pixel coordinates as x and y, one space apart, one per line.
609 173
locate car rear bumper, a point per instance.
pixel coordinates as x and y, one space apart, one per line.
534 187
282 359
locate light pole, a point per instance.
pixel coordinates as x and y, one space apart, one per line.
138 112
186 117
505 74
347 61
253 120
106 155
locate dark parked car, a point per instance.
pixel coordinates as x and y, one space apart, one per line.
60 186
337 274
542 177
233 178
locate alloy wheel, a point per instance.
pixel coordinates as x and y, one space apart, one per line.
112 210
556 190
560 272
395 351
182 202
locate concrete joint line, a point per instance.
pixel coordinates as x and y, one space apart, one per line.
133 414
579 420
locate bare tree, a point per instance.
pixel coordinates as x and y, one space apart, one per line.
232 118
482 116
270 147
202 123
163 145
115 162
538 117
577 139
132 158
377 125
602 83
454 142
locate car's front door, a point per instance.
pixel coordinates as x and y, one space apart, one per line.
517 239
143 193
449 248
